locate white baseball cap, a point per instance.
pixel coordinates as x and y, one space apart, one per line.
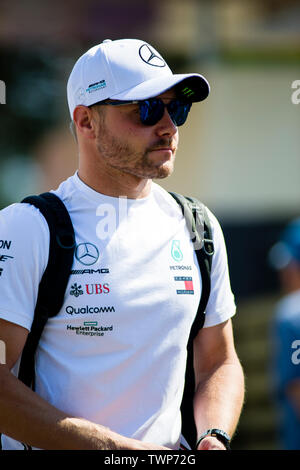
127 69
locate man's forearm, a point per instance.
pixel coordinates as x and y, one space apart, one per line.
28 418
219 398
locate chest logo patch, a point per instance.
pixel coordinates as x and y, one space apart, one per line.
76 290
184 285
87 253
176 251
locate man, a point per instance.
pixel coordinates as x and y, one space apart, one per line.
110 366
285 354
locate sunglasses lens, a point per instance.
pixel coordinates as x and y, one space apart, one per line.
151 111
179 111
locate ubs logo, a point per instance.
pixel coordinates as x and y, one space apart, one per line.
89 289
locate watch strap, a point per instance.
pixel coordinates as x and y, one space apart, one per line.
222 436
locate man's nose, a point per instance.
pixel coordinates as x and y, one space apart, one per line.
166 125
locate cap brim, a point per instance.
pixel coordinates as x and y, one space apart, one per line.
193 87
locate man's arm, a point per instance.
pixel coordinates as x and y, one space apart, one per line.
28 418
219 376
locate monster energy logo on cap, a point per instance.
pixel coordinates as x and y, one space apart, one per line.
187 92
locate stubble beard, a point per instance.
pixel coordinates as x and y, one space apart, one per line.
122 156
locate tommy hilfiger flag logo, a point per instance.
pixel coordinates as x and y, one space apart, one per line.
185 285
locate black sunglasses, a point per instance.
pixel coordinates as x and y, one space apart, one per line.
152 110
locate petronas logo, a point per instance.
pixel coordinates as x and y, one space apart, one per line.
176 251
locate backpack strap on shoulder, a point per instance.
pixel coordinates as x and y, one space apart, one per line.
204 248
199 226
55 278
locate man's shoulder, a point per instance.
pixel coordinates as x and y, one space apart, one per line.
21 217
165 197
19 210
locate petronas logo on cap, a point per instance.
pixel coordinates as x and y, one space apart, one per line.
176 251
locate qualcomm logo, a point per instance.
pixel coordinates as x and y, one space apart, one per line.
151 57
87 253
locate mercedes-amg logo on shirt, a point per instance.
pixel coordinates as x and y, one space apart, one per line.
150 57
87 253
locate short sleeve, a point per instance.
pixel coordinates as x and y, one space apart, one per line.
24 250
221 305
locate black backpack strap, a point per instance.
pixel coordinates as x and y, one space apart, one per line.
55 277
204 248
198 224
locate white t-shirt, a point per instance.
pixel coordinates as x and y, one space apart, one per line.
116 352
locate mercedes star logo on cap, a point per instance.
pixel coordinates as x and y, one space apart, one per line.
150 57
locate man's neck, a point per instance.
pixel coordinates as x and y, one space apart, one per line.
115 184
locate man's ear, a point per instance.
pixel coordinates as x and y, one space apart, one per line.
84 121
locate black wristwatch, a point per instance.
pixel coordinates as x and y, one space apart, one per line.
222 436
